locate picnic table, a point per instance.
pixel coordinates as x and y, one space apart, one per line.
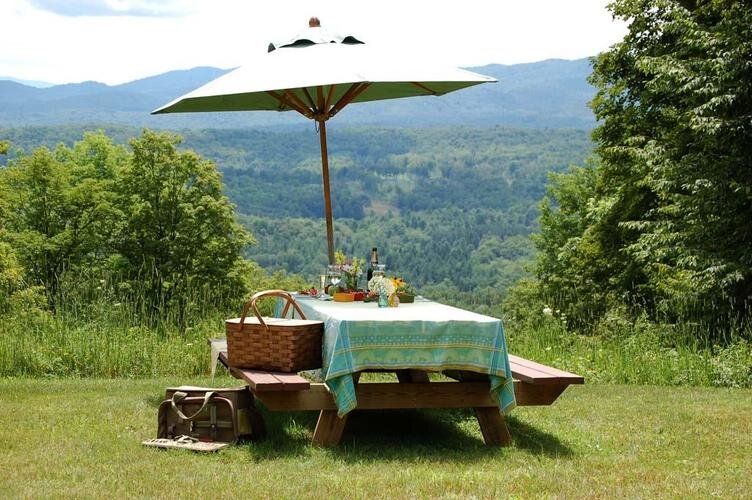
410 341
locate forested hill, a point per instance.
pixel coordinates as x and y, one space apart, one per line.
444 205
546 94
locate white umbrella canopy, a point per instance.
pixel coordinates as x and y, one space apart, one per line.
317 74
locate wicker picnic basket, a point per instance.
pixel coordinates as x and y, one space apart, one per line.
274 344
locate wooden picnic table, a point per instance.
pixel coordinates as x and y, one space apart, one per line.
534 384
410 340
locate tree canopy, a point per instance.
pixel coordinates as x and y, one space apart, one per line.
177 229
662 220
153 223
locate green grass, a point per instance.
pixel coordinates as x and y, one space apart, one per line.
81 438
640 356
51 346
110 344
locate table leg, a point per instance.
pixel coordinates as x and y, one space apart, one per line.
258 427
329 428
493 427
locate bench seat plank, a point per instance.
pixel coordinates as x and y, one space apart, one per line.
263 381
292 381
536 373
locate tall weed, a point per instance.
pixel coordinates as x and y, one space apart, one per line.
101 335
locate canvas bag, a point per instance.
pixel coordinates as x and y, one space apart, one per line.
221 415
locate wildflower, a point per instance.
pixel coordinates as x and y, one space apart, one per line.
548 311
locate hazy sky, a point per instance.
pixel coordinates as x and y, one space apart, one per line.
114 41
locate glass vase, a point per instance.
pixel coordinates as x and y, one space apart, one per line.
383 300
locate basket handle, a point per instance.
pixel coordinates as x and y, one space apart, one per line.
182 397
251 305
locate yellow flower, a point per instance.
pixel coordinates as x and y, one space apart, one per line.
399 284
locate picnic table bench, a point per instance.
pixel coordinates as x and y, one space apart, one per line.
534 384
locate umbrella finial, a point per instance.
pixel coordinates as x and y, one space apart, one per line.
314 22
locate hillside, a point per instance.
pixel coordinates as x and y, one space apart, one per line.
546 94
444 205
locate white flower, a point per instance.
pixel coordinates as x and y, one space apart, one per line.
548 311
381 285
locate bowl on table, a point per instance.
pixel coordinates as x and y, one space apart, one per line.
344 297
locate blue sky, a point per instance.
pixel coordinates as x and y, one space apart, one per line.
114 41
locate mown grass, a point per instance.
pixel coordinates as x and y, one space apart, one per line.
82 438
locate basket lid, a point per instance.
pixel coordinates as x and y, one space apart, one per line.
272 322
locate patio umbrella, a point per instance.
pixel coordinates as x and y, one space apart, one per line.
317 74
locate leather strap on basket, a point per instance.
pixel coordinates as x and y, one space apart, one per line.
251 305
181 397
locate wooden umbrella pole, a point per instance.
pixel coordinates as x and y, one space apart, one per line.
327 193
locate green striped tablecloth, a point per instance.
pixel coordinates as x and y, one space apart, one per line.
423 335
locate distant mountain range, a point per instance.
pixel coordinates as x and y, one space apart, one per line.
30 83
547 94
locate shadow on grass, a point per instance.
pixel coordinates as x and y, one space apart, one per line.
526 437
405 435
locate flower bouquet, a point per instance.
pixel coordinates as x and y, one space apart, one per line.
404 291
382 288
351 269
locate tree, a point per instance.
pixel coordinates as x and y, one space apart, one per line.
58 211
663 222
675 99
14 290
178 238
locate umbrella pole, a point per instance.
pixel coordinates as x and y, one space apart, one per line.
327 194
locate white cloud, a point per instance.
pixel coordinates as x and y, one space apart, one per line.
138 8
42 45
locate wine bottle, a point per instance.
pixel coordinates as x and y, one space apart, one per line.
372 264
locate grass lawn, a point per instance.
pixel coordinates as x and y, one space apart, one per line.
82 438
